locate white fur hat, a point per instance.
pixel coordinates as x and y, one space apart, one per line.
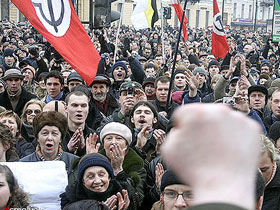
116 128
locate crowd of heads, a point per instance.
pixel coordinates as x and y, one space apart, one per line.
119 121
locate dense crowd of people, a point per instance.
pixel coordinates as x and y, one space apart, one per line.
109 133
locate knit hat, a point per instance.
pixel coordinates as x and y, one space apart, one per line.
8 52
149 80
12 73
120 63
74 76
101 79
200 70
258 88
29 68
224 67
274 131
50 118
93 159
169 178
212 63
116 128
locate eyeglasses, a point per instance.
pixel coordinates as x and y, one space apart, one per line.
30 111
173 195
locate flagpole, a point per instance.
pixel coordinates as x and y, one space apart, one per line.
118 32
162 32
175 57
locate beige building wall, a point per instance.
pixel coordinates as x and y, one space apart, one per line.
202 7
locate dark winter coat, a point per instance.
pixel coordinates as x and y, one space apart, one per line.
271 200
24 98
68 136
24 148
171 108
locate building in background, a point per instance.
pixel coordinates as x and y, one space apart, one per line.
237 14
244 13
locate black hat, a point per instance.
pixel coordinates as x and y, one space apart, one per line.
212 63
8 52
101 79
93 159
149 80
169 178
258 88
224 67
74 76
274 131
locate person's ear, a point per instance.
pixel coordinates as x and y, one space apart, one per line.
132 120
154 120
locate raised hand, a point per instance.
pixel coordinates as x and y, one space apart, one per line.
91 143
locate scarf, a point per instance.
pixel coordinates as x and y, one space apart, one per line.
49 99
41 156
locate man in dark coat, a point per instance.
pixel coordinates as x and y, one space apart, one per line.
15 96
77 112
162 86
101 98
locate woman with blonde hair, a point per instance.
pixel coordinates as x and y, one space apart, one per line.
30 110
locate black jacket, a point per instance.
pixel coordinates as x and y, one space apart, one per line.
68 136
94 117
271 200
171 108
24 98
111 104
24 148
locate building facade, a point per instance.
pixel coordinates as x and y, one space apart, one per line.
245 11
237 14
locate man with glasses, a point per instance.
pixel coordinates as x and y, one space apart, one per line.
174 194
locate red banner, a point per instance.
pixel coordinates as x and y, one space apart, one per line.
58 23
179 11
219 41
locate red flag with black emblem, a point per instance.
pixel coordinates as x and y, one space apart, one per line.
58 23
219 42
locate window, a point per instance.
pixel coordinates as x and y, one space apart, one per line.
188 12
197 18
250 12
234 10
207 19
